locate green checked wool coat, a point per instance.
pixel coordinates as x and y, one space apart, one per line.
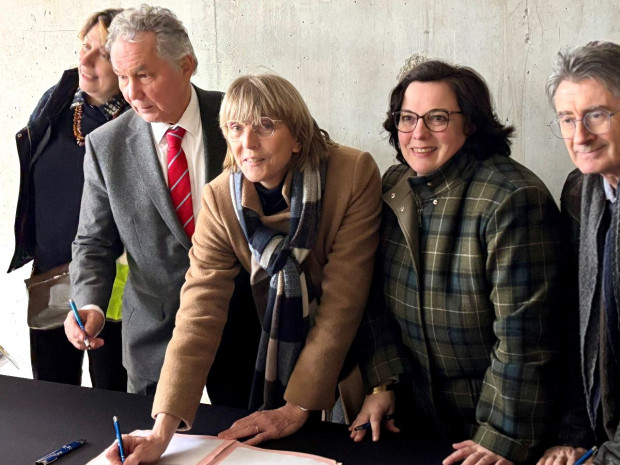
469 261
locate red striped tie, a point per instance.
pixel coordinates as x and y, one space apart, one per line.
178 180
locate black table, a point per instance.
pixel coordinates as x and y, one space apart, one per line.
37 417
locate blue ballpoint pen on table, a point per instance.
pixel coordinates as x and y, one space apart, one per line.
55 455
79 322
119 438
586 456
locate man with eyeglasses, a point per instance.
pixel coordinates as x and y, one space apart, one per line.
143 180
585 90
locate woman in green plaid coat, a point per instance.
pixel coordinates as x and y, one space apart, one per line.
467 277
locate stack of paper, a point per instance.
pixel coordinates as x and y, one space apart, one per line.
185 449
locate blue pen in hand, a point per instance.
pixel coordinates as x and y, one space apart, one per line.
119 438
586 456
79 322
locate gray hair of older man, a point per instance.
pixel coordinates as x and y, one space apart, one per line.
595 60
171 37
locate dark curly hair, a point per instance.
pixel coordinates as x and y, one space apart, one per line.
487 136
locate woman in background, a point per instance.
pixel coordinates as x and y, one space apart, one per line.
51 152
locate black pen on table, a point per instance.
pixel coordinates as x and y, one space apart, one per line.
586 456
79 322
119 438
367 425
55 455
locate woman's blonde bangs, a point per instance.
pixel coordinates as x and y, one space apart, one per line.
252 96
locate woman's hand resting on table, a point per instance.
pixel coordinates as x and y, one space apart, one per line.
267 424
472 453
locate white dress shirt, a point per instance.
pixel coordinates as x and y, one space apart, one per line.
610 191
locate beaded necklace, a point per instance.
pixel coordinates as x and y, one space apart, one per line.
77 125
110 109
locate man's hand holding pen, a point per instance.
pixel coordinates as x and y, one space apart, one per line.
377 411
83 338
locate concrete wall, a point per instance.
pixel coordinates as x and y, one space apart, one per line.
343 55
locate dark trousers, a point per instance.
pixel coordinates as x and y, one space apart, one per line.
230 378
53 358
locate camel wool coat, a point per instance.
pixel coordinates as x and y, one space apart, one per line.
340 266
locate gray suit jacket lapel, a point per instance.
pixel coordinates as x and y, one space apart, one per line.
142 149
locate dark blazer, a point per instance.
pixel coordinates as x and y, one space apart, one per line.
583 205
126 203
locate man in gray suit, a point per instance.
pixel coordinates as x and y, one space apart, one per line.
127 201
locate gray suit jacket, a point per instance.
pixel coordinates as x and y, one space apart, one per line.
126 203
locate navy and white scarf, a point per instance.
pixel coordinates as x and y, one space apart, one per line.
291 298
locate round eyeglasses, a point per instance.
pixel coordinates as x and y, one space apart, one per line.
595 121
262 127
434 120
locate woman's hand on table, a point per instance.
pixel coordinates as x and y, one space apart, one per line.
267 424
472 453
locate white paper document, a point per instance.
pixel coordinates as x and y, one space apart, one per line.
186 449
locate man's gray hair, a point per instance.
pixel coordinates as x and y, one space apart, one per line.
171 37
596 60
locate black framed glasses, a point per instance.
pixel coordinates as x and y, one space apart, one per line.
595 121
434 120
263 127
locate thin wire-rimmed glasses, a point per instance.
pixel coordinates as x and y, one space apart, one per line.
595 121
434 120
262 127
